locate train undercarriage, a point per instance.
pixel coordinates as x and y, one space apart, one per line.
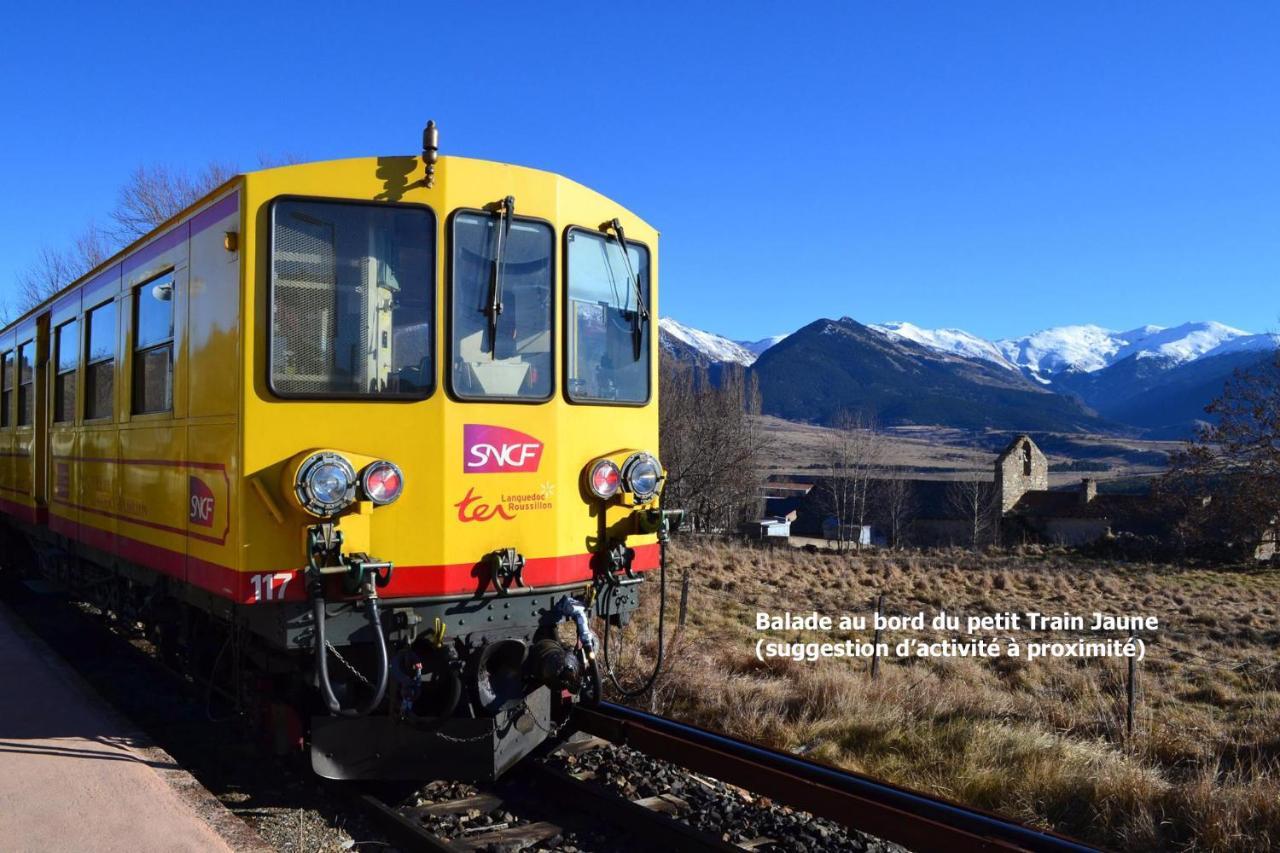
473 683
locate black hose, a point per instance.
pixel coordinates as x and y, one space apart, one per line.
452 697
322 660
662 618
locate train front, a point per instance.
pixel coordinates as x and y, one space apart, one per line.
460 420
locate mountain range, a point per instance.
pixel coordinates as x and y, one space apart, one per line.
1151 381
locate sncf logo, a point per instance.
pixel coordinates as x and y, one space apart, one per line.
498 450
201 508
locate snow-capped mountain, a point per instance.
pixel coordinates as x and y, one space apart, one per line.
954 341
704 345
1192 341
1087 349
1084 348
1155 379
834 366
757 347
1040 356
1151 379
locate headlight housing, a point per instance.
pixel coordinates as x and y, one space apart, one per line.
641 476
604 479
382 482
325 484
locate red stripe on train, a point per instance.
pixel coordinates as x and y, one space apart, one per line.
406 581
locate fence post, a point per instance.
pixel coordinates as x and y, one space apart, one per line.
1131 689
875 658
684 596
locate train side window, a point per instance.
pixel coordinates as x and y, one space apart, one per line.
100 362
26 383
68 360
501 319
352 300
6 395
607 333
153 345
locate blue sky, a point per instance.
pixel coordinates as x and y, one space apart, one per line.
999 167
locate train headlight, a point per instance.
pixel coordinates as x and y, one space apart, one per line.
641 475
604 479
326 484
382 482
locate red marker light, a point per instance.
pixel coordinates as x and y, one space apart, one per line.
382 482
605 479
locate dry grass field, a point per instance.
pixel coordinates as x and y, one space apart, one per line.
943 453
1042 741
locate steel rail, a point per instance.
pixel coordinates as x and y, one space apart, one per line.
542 783
661 831
917 821
405 833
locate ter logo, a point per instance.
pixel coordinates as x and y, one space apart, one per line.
498 450
202 503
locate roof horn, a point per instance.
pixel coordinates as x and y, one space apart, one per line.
430 151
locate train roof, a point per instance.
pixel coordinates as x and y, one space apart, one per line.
444 162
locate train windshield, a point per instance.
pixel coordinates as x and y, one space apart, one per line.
352 299
608 343
502 307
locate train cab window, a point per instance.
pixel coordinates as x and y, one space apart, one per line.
6 389
68 360
607 336
26 383
352 300
153 345
502 307
100 362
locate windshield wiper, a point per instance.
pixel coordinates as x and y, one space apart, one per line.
505 209
641 314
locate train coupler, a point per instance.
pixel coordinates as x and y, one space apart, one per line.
506 567
361 573
617 561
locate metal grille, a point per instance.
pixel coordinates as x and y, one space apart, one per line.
305 305
352 299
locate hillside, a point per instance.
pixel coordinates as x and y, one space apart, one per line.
832 366
1163 399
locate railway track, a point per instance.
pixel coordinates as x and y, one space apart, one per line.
861 804
540 803
549 797
886 811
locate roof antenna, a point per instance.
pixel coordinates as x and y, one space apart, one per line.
430 151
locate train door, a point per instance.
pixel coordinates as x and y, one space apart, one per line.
40 443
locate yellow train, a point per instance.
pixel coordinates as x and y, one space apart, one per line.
369 430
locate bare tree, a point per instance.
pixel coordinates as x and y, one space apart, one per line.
853 451
712 446
1227 480
53 269
151 196
974 501
896 496
155 194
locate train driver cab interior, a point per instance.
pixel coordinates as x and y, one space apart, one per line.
502 306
